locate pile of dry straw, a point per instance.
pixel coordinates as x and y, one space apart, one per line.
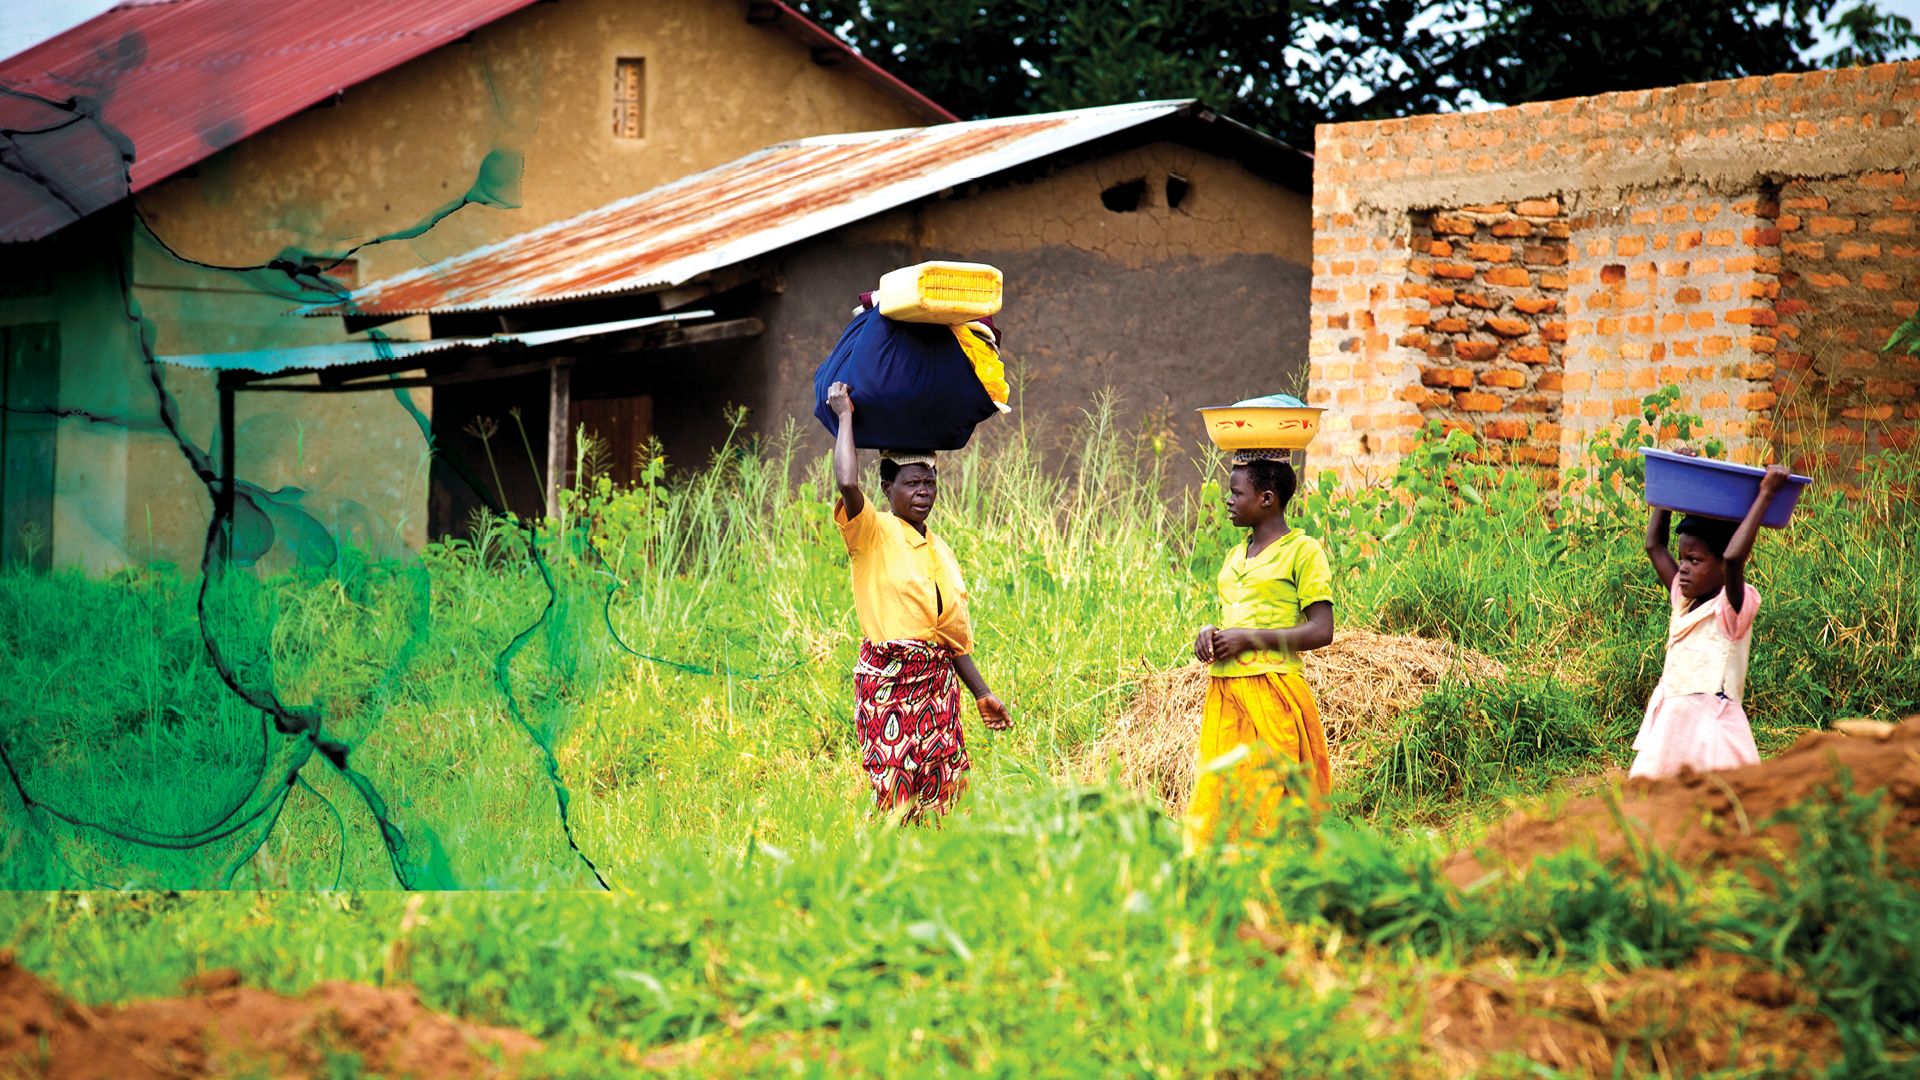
1363 681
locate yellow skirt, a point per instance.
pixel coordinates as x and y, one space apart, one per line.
1274 716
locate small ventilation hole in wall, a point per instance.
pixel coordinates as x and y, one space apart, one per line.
1177 188
1125 197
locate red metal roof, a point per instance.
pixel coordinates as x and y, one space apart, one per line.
169 84
749 207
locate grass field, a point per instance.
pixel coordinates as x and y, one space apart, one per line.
672 668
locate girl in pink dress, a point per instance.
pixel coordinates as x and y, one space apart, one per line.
1694 719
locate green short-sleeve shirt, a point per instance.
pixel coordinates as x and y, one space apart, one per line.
1268 592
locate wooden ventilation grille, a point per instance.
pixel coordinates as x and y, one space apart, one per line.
629 97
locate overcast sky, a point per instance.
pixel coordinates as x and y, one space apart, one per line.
23 23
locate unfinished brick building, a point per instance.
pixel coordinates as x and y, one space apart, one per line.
1530 273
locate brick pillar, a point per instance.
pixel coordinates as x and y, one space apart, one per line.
1359 368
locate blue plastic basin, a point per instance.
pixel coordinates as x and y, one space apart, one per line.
1715 489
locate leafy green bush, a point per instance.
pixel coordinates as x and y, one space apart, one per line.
1571 907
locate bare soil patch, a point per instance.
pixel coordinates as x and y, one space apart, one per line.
1706 1017
1715 820
220 1028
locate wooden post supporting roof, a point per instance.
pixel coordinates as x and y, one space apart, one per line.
559 409
223 494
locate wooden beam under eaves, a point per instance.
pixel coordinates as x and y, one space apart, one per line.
674 336
508 360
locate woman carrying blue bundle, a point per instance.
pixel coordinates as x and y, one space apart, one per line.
917 641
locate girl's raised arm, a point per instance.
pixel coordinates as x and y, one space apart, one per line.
1741 545
1657 553
846 459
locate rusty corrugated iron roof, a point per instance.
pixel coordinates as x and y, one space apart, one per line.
749 207
147 89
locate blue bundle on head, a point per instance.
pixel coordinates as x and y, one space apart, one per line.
912 385
1272 401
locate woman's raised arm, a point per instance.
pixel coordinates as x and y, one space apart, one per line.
846 459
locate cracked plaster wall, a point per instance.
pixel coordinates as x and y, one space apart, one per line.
1170 309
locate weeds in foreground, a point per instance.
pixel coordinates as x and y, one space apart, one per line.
1055 933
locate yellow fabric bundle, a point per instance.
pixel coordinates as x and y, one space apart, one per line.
983 352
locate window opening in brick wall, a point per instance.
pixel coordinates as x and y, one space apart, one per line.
1494 277
1126 196
629 97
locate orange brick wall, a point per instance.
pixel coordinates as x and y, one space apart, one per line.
1531 273
1675 285
1850 273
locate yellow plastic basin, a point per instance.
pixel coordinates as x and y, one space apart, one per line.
1261 427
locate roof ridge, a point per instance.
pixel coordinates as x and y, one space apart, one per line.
855 137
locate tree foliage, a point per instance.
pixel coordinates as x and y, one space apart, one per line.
1285 66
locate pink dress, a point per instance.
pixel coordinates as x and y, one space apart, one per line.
1694 717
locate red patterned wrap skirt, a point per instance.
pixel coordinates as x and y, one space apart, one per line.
907 712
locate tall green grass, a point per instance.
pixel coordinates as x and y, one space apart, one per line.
683 649
1048 935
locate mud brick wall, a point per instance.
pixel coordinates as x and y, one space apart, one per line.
1531 273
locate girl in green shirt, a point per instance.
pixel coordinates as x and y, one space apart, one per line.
1276 598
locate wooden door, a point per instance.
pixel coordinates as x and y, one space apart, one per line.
29 392
623 426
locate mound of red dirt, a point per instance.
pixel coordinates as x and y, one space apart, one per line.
1712 820
1706 1017
222 1028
